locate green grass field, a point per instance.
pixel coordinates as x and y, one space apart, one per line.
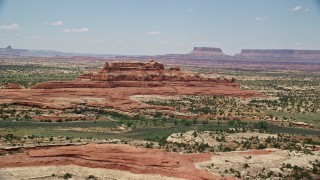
141 132
313 118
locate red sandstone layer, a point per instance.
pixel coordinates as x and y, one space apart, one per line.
137 74
114 85
120 157
117 98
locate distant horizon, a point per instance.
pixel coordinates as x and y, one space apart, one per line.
187 52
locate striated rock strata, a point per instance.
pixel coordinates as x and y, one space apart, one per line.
137 74
116 83
112 156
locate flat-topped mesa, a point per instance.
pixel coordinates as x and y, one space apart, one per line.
288 53
129 66
207 51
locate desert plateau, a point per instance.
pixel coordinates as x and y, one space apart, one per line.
148 120
159 90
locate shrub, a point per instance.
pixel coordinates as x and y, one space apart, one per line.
67 176
195 121
92 177
205 122
202 147
149 146
195 134
261 146
246 165
186 122
261 125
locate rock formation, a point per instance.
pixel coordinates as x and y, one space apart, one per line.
207 51
116 83
137 74
125 66
113 156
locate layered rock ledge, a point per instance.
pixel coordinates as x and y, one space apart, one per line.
115 156
117 82
137 74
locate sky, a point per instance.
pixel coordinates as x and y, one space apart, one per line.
150 27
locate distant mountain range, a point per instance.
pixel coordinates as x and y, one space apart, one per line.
9 51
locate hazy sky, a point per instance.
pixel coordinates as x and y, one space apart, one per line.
159 27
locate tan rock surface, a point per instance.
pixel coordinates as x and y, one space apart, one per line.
258 161
78 173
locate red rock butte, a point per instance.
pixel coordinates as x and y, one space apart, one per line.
137 74
117 82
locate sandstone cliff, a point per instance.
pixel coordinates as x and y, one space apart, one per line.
117 83
136 74
124 66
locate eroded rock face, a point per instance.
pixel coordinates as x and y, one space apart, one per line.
113 87
113 156
125 66
136 74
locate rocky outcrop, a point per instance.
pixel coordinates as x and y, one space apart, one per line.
136 74
113 156
125 66
113 87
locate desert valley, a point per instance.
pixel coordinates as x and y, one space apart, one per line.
201 115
